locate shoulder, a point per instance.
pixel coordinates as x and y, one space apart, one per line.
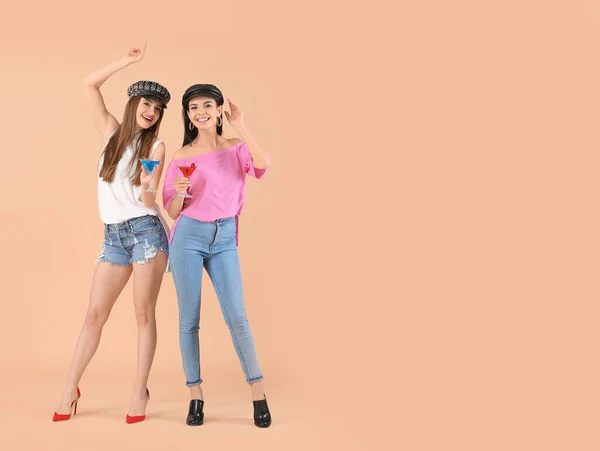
159 148
112 132
179 153
232 142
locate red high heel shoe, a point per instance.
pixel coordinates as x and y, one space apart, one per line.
66 416
136 419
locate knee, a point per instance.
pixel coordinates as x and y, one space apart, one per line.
144 314
96 318
189 325
239 325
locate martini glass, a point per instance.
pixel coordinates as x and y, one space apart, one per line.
187 172
149 166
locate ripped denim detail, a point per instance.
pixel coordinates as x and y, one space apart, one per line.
102 257
150 251
102 254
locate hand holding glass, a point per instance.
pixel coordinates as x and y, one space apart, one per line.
149 166
187 171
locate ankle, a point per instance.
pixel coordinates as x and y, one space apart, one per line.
72 392
140 389
196 393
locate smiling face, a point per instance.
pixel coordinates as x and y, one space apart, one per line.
148 112
203 112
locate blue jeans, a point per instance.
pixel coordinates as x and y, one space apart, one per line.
211 245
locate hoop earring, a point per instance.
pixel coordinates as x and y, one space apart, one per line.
191 127
220 118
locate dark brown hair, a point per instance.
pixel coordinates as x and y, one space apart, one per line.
205 90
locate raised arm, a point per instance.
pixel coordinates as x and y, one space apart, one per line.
260 158
105 121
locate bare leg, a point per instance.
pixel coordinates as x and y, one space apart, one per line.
107 284
147 279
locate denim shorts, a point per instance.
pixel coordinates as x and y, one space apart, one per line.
136 240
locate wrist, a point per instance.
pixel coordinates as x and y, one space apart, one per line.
123 62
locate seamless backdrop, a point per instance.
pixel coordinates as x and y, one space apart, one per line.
420 263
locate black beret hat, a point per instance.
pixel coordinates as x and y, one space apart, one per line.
206 90
146 88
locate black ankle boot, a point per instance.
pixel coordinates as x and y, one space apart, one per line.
195 415
262 416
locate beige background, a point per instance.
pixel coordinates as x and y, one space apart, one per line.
420 264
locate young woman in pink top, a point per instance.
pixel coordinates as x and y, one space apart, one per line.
204 234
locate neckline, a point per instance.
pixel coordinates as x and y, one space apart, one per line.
208 153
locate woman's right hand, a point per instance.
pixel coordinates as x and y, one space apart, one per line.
181 184
135 54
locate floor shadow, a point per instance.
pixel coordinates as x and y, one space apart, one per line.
179 418
96 412
227 420
169 417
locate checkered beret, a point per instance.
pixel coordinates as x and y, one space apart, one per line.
146 88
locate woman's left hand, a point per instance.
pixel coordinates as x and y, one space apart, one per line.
236 117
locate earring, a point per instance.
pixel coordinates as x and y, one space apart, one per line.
220 121
191 127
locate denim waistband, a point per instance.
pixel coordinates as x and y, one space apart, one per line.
222 221
130 223
225 220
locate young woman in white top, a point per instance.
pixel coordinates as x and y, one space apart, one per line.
135 239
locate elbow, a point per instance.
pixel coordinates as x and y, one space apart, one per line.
87 83
262 164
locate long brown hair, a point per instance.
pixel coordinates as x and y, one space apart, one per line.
122 138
